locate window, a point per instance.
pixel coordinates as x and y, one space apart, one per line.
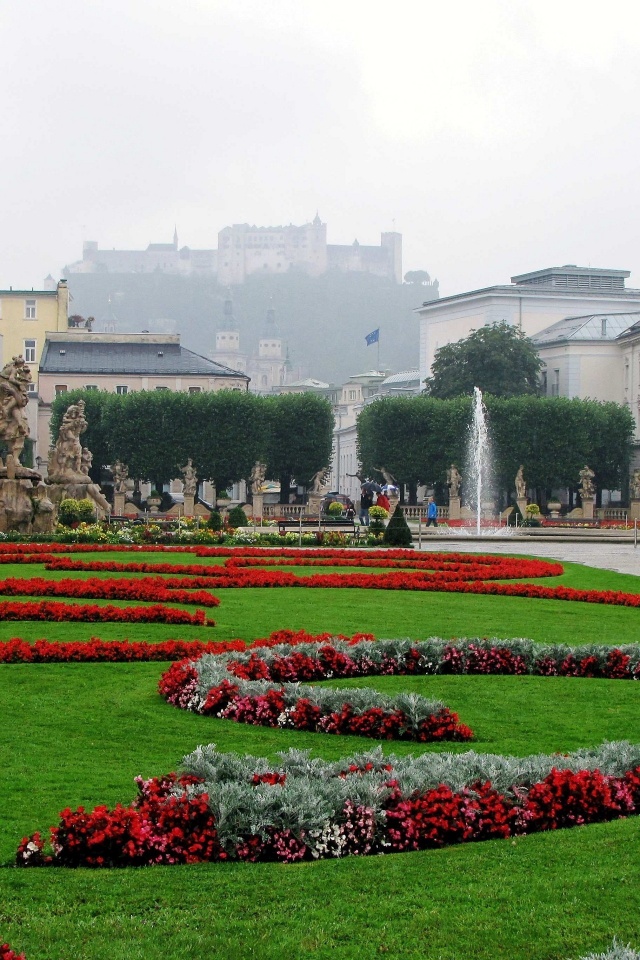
195 389
122 389
30 351
91 386
32 389
603 327
30 309
352 394
60 388
162 388
555 385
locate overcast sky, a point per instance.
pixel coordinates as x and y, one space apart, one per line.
497 137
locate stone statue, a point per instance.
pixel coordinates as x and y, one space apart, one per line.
453 481
634 485
70 462
587 486
389 478
521 485
15 378
190 482
319 482
65 460
120 476
44 518
258 473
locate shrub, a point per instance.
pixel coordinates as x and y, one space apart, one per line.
335 508
215 520
516 513
76 511
237 517
398 533
378 513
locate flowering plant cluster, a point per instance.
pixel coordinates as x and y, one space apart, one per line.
225 806
57 612
96 650
217 686
153 589
321 659
6 953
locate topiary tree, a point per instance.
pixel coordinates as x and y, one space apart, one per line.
215 520
237 517
397 533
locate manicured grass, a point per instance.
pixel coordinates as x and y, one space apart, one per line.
79 733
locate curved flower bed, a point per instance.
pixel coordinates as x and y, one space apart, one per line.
470 656
225 807
6 953
219 686
92 613
451 573
154 589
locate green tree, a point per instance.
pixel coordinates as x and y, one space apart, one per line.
498 359
299 432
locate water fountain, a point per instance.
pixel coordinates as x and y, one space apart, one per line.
479 454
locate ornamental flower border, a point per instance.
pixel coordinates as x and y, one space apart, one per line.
450 573
226 807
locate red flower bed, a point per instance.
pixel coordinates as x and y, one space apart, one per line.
148 588
92 613
6 953
167 824
96 650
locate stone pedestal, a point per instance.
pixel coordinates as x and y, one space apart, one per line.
454 508
587 508
258 506
119 500
634 510
313 505
522 505
189 505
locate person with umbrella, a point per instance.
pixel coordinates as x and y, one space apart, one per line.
367 491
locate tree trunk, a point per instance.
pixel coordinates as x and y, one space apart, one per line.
413 492
285 487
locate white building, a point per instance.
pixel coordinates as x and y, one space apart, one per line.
532 302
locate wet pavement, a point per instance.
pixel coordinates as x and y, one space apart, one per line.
621 557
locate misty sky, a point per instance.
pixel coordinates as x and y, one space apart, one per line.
499 137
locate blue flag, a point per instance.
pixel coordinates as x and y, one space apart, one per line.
373 337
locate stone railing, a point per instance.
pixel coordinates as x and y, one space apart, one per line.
271 511
420 511
614 513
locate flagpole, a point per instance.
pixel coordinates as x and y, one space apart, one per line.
378 353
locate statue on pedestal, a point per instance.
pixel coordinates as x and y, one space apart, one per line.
634 485
453 481
65 459
521 484
258 473
319 482
120 476
190 481
587 486
389 479
15 378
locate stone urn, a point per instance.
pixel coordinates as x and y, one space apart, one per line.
554 507
153 503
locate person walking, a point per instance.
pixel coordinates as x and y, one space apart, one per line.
383 501
432 513
366 501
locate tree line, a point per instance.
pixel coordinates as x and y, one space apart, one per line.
417 438
155 431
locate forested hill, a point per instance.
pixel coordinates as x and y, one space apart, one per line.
322 320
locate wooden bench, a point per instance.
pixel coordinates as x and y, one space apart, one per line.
311 524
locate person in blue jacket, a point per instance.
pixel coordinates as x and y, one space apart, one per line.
432 513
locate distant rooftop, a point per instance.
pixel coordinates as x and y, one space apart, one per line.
134 353
570 276
405 376
597 326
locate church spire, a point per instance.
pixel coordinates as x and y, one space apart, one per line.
175 236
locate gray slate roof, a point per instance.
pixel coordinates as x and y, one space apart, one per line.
160 359
586 328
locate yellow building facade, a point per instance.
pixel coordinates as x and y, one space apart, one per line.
26 317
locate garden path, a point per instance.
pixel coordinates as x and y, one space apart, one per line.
621 557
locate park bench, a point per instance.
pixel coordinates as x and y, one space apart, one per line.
311 524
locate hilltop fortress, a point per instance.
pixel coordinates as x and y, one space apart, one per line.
244 250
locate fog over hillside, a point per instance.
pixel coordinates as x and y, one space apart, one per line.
323 321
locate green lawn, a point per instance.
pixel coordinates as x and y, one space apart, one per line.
78 734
